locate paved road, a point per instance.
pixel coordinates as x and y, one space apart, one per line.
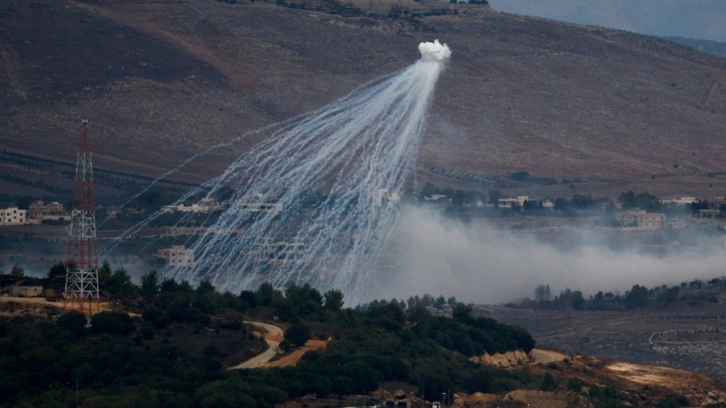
273 336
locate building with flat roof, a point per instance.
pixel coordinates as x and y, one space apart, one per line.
641 219
12 216
177 256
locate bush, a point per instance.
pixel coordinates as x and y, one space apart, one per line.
112 323
73 321
297 335
549 383
575 384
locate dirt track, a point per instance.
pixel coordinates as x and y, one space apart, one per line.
273 336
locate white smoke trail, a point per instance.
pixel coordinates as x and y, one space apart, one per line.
325 172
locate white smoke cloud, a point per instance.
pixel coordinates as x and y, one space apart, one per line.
481 264
434 51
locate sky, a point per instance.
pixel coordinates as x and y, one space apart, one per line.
701 19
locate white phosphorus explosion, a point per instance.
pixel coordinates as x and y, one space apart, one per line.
308 204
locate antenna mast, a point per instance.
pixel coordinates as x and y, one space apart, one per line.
81 291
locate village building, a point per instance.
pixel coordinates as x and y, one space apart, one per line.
683 200
641 219
203 206
40 210
385 198
510 202
12 216
177 256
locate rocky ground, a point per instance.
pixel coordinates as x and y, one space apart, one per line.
686 338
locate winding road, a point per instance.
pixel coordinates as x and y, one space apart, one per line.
273 335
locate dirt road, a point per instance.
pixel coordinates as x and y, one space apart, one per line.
273 336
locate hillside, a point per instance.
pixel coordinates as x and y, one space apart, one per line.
710 47
163 80
180 346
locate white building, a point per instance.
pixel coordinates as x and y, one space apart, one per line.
385 198
40 210
203 206
509 202
177 256
641 219
257 204
12 216
684 200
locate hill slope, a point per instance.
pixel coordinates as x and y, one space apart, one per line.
162 80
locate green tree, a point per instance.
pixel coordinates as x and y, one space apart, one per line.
150 285
549 383
297 335
266 293
57 271
117 284
637 297
17 271
73 321
577 300
542 293
333 300
112 323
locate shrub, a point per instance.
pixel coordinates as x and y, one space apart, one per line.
112 323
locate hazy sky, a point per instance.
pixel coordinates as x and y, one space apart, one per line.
704 19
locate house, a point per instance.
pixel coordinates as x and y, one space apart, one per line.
385 198
26 291
641 219
202 207
12 216
510 202
40 211
177 256
683 200
257 204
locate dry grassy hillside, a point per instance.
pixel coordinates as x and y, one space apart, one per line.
162 80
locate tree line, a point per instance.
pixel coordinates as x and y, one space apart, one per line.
695 293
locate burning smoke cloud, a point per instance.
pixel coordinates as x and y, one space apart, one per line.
478 263
434 51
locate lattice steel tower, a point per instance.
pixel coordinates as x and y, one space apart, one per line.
81 291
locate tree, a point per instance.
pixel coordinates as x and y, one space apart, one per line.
57 271
73 321
297 335
582 201
17 271
494 198
462 312
305 299
118 284
112 323
266 293
333 300
542 293
577 300
637 297
627 199
519 176
150 285
428 190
